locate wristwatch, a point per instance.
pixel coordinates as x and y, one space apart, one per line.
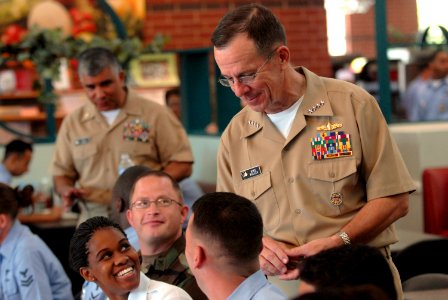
345 238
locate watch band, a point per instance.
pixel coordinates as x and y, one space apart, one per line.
345 238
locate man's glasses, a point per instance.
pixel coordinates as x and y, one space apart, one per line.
162 202
247 78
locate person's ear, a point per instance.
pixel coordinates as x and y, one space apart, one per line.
200 257
3 221
284 55
129 217
87 274
184 212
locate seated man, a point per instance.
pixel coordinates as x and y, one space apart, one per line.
346 266
16 160
156 212
224 238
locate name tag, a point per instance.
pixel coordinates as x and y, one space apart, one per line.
82 141
251 172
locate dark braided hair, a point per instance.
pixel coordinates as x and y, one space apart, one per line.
78 251
13 199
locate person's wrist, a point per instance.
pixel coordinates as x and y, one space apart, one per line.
344 237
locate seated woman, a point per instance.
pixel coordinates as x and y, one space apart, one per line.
100 252
28 268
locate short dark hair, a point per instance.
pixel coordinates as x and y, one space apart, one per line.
233 222
171 92
156 173
78 250
13 199
17 146
94 60
348 265
255 20
123 186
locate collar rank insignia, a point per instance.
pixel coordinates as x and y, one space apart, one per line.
82 141
251 172
329 126
253 124
316 106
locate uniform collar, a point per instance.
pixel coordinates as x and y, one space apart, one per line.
14 234
164 260
130 107
315 103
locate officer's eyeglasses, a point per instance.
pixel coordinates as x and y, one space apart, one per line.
245 79
162 202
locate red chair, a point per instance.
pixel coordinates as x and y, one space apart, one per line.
435 200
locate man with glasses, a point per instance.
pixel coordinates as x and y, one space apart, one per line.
157 212
314 154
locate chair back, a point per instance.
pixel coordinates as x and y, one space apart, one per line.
435 200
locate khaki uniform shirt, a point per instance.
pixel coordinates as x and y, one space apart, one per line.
88 149
302 197
172 267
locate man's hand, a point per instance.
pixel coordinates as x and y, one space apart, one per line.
309 249
69 194
273 257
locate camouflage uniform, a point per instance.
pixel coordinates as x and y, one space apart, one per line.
171 267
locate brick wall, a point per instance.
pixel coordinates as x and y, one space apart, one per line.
190 23
401 22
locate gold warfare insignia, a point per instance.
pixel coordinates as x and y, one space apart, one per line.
336 199
329 126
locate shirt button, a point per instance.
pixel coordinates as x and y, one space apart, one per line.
253 194
332 175
290 180
298 211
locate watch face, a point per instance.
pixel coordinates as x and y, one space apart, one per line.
7 81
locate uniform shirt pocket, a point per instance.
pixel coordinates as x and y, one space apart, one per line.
259 190
333 177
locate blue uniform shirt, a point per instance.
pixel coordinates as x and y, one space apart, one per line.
5 176
257 287
29 270
432 102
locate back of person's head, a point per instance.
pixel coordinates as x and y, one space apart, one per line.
255 20
94 60
13 199
171 92
364 292
160 174
122 190
348 265
78 249
232 222
18 147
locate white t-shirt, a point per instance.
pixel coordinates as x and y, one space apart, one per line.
150 289
110 115
283 120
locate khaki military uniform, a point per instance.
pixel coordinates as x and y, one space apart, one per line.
88 149
304 192
172 267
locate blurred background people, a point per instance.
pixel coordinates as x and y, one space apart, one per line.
28 268
16 160
115 122
431 103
